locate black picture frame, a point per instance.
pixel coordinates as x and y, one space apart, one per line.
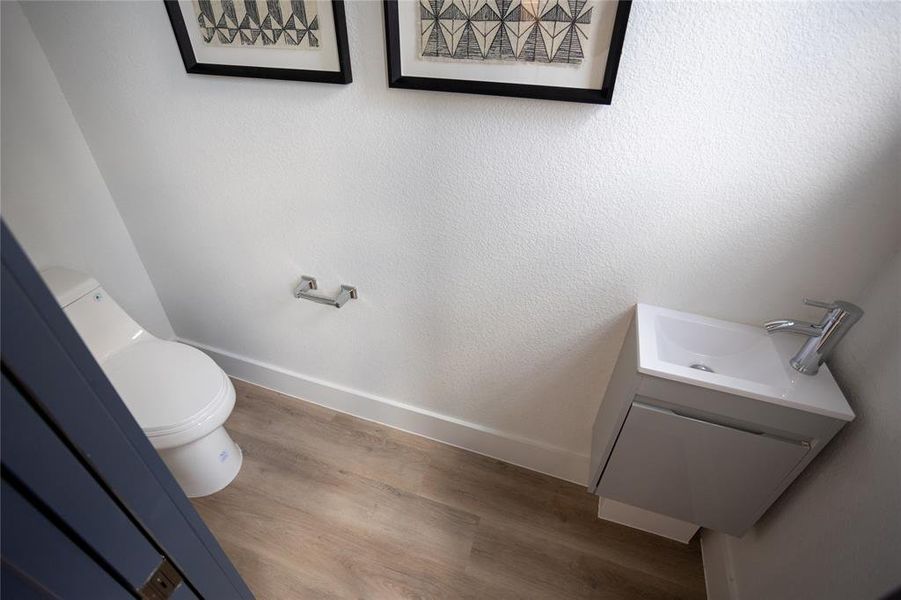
343 76
604 95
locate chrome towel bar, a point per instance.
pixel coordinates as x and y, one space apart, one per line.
306 284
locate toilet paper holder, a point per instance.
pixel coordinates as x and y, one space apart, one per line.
303 291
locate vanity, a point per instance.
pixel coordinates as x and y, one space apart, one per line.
704 424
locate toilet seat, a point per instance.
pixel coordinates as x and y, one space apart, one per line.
176 393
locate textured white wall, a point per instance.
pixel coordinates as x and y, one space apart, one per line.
750 157
54 199
836 533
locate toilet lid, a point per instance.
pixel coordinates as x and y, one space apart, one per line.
166 385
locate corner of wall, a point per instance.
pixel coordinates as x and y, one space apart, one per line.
69 218
719 568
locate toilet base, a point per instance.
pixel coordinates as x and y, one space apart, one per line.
204 466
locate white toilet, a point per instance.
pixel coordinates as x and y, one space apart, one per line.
177 394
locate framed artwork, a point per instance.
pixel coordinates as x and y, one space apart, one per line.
548 49
302 40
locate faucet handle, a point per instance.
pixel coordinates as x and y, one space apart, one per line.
847 312
821 304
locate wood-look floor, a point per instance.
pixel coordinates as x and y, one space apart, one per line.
331 506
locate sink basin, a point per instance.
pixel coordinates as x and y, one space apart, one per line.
734 358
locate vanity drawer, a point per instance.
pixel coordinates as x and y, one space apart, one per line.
713 475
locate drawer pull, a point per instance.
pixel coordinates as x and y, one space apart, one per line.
803 443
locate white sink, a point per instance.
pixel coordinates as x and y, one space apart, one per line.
745 360
668 455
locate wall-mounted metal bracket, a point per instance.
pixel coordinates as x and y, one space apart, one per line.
306 284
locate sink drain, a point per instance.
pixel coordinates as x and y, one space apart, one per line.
702 367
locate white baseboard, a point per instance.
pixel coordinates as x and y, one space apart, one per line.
718 569
511 448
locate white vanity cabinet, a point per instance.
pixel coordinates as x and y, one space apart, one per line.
681 450
695 470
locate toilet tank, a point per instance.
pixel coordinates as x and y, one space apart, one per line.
102 324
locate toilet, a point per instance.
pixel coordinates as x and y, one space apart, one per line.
176 393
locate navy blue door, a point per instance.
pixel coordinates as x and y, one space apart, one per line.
89 509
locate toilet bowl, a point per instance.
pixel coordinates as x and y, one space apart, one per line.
176 393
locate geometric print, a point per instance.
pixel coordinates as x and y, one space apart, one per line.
292 24
536 31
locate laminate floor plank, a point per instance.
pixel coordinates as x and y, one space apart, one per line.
519 499
346 500
540 568
356 445
332 506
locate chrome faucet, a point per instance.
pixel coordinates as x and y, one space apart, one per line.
823 336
